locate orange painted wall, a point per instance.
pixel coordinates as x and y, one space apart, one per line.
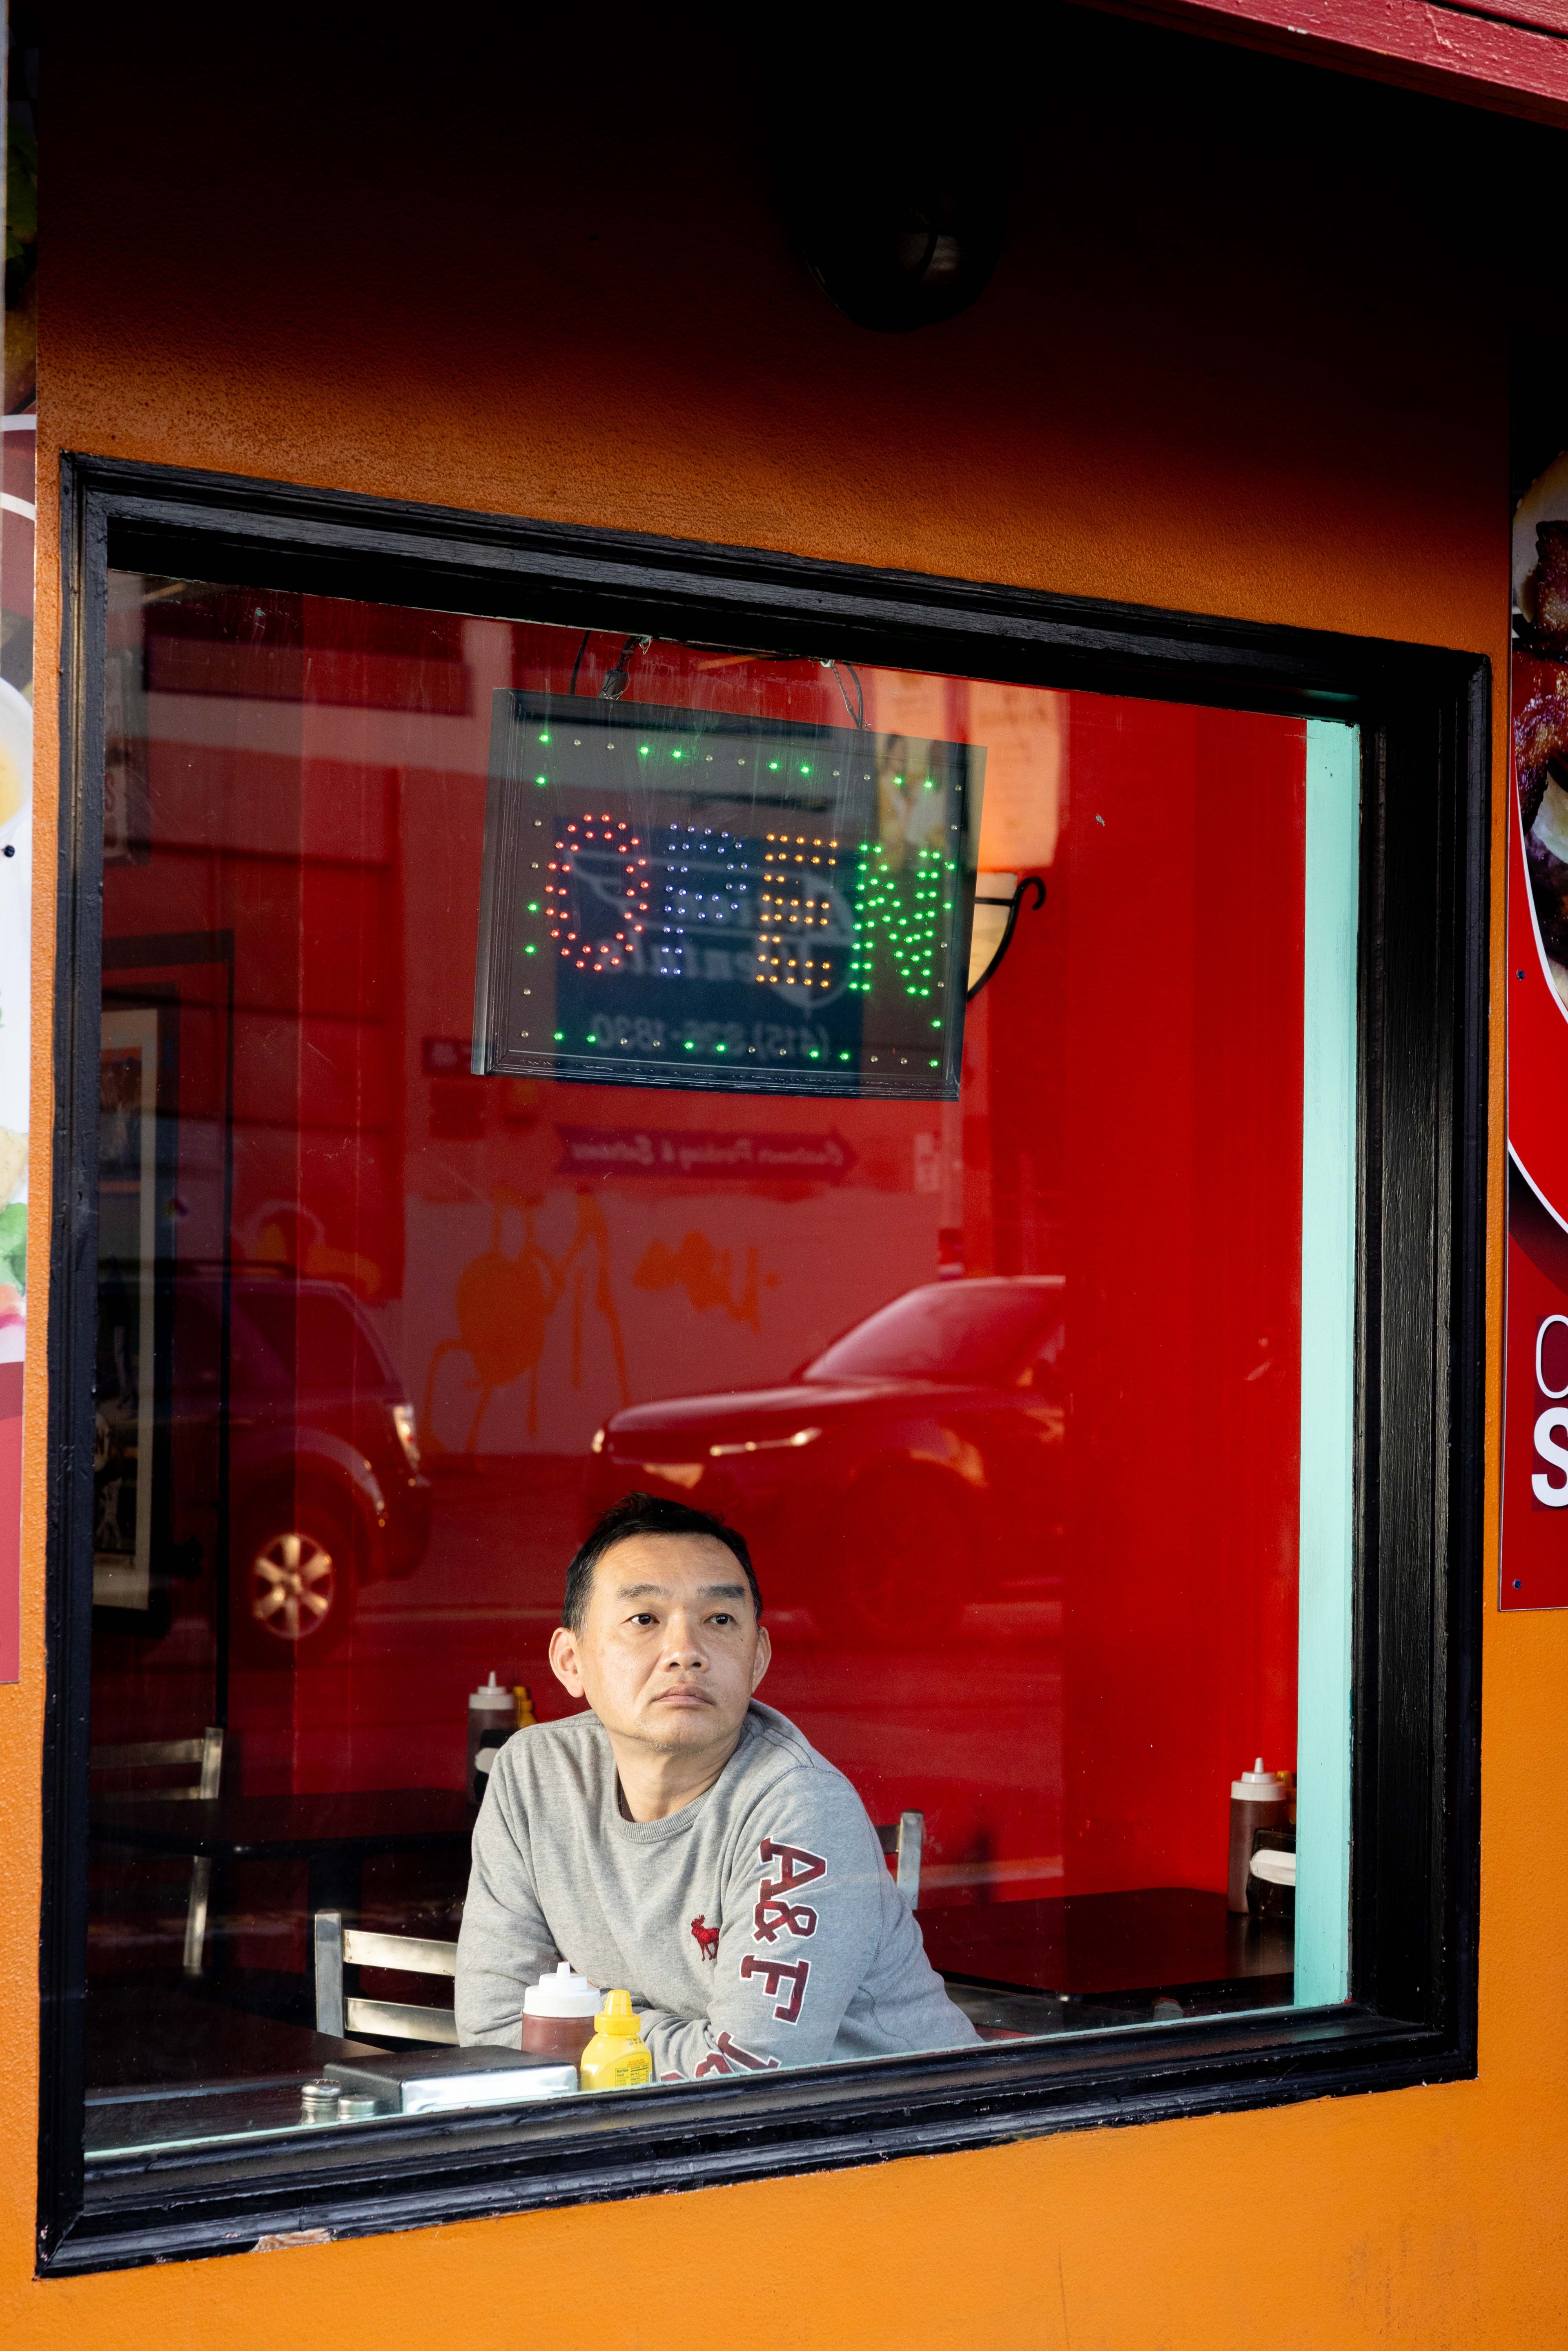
1245 354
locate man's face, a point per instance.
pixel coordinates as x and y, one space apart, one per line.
671 1648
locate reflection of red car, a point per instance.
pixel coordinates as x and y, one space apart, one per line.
324 1486
910 1468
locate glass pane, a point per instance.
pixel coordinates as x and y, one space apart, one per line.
1022 1363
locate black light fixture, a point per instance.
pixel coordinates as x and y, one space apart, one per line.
904 251
899 211
998 901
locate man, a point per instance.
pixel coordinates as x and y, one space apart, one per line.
683 1842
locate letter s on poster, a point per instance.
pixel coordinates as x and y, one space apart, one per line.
1551 1444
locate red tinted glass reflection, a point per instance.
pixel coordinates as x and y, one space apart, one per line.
1004 1392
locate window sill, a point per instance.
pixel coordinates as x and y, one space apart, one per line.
183 2204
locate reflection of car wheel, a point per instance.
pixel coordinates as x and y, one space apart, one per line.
912 1560
294 1581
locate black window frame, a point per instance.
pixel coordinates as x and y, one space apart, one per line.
1421 1179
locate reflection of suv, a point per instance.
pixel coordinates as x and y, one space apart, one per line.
324 1491
912 1468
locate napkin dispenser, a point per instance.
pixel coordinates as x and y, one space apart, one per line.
1271 1876
437 2081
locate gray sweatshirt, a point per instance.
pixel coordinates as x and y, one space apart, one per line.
758 1926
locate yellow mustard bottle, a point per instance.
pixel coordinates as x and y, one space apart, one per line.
617 2057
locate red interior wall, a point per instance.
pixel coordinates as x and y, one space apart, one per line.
1182 1124
1130 1121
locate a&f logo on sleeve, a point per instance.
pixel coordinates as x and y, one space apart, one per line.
779 1913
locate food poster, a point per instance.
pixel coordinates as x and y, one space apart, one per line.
18 470
1534 1555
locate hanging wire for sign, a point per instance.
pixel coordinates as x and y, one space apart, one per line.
857 717
615 681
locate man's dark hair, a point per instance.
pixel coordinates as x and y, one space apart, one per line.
646 1514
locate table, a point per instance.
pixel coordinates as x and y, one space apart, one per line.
169 2065
332 1835
146 2034
1153 1940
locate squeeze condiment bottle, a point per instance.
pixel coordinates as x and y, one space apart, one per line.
491 1720
1259 1800
617 2057
559 2015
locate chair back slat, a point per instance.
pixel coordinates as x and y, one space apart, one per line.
397 2019
162 1755
147 1755
417 1955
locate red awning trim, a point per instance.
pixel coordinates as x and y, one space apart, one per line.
1508 54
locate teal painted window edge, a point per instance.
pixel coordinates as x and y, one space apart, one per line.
1328 1245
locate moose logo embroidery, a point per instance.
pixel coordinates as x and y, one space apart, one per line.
707 1937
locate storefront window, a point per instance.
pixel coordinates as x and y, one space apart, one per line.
910 1116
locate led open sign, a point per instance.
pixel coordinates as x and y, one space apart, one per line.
683 897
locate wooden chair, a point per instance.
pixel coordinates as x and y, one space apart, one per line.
163 1755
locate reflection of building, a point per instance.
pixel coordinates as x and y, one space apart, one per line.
505 1305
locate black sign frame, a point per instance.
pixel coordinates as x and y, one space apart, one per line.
707 856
